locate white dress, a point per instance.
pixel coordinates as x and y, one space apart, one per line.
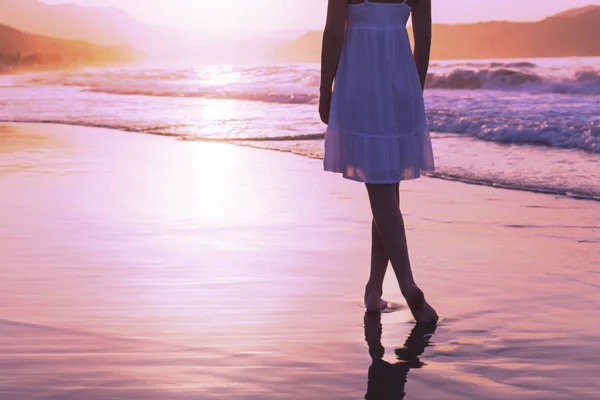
377 129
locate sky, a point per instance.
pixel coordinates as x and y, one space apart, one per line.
300 15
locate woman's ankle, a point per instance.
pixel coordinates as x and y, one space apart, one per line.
410 289
373 290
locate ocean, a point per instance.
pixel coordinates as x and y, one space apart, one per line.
530 124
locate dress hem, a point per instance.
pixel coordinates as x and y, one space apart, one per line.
378 159
372 182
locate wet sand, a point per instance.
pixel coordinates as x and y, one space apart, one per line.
142 267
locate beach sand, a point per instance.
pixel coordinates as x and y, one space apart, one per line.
142 267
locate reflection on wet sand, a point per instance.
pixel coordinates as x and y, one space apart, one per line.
387 380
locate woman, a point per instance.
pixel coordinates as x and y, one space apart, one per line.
377 129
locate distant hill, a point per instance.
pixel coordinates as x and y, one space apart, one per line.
112 26
567 34
104 26
24 51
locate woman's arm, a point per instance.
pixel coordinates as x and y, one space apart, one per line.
333 41
421 21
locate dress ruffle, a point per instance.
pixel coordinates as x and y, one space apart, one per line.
377 159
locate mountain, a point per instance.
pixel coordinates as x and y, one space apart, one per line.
24 51
577 11
112 26
105 26
567 34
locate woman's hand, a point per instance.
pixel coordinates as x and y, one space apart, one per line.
325 105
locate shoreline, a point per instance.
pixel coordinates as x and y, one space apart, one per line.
248 143
10 70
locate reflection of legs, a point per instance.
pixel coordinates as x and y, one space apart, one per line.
373 330
416 343
379 264
389 222
385 380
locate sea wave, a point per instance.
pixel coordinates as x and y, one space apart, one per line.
297 84
565 133
543 189
218 93
180 131
303 90
560 125
584 81
492 64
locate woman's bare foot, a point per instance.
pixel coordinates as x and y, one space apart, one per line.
421 310
426 315
375 304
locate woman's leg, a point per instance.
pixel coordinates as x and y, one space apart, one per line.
389 222
379 265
